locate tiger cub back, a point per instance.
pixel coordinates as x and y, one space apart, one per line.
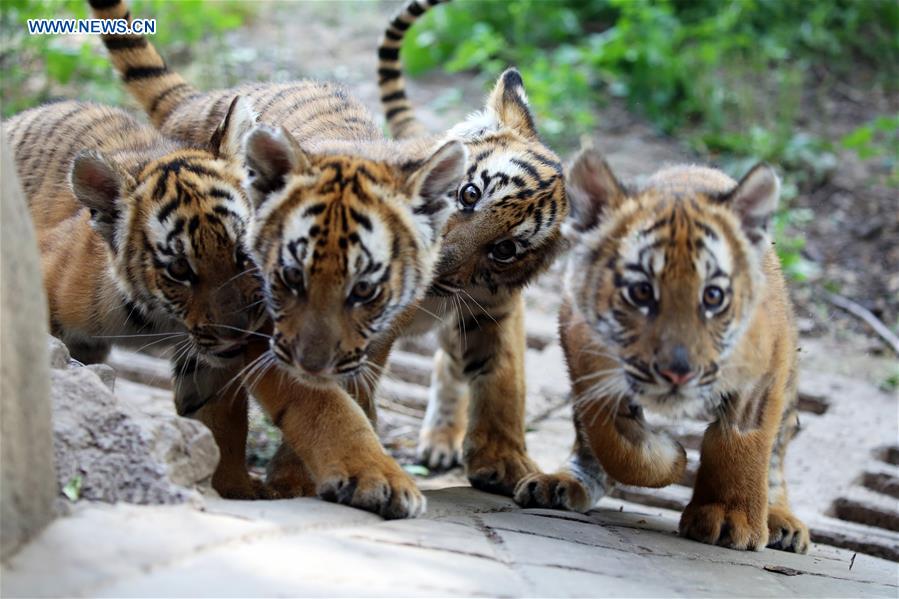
138 235
675 304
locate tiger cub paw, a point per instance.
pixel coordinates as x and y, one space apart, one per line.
559 491
727 526
246 487
440 447
497 469
787 532
381 487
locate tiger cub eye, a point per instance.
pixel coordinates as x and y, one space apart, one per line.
363 292
469 195
293 277
641 293
179 269
712 296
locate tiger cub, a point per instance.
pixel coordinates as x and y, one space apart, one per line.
509 208
346 233
675 304
141 238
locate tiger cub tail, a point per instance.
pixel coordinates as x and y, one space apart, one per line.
144 72
400 115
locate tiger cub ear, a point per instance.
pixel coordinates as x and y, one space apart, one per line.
272 155
227 140
592 190
100 185
508 102
433 188
754 201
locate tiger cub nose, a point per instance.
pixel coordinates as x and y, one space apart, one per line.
677 378
677 370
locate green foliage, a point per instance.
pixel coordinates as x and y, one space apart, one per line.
709 67
37 68
878 140
728 77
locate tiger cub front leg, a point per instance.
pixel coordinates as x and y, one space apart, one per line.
212 396
443 430
730 499
785 530
492 359
576 487
336 443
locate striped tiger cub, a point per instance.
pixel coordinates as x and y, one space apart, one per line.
505 231
141 238
346 233
675 303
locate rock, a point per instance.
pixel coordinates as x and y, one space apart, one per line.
59 353
108 449
27 480
106 374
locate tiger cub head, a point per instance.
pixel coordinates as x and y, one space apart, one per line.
345 244
176 236
510 203
668 275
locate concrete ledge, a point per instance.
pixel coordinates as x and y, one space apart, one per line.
469 544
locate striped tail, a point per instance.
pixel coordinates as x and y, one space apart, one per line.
398 110
144 72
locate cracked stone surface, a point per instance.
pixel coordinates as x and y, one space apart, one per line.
469 544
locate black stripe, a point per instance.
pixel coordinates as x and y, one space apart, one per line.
278 417
395 111
392 35
388 74
164 94
137 73
400 95
167 209
415 10
385 53
217 192
361 219
104 4
114 44
399 24
475 366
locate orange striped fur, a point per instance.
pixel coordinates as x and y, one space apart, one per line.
506 230
347 231
142 243
154 227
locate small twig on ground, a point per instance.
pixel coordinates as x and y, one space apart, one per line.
864 314
399 408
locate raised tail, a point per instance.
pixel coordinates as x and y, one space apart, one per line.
159 90
401 119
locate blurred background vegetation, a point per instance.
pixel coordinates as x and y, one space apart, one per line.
38 68
737 81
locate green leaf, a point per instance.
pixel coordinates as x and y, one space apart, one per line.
416 469
72 489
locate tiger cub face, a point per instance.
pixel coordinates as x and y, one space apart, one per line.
345 245
510 203
176 234
667 276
